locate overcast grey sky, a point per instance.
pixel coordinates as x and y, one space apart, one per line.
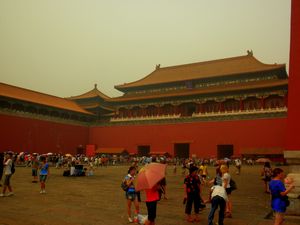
64 47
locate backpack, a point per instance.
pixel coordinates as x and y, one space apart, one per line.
124 186
13 169
232 185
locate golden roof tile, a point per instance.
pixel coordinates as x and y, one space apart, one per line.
27 95
201 70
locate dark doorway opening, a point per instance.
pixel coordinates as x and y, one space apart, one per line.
143 150
80 150
224 151
182 150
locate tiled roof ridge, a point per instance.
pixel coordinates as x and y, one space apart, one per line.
249 55
220 60
37 92
78 109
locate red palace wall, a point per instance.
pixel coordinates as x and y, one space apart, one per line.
23 134
202 136
293 127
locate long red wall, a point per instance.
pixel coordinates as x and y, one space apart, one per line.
293 127
31 135
202 136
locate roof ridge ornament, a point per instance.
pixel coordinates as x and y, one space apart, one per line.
95 86
157 66
250 52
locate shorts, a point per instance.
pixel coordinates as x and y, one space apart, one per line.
228 191
34 172
43 178
151 207
7 180
130 196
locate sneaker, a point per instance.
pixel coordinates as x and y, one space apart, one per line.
130 220
135 219
44 192
2 195
10 194
41 192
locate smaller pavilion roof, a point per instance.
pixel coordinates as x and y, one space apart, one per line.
90 94
27 95
202 70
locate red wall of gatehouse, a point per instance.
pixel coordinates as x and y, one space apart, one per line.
293 127
202 136
24 134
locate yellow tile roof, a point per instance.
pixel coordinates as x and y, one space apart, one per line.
201 70
27 95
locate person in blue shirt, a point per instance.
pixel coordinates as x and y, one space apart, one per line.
279 195
44 172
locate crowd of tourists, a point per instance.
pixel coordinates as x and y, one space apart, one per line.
220 183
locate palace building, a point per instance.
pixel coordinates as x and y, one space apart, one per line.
218 108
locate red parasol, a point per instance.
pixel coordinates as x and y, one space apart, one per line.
150 175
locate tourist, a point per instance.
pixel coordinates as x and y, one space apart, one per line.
279 193
152 196
131 194
218 198
203 168
226 184
34 168
192 194
266 174
238 165
44 172
8 164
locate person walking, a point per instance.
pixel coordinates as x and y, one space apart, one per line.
266 174
218 198
8 164
279 193
131 195
34 168
44 172
192 194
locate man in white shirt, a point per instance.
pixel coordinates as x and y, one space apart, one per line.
218 198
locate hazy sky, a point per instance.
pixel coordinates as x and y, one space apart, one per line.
64 47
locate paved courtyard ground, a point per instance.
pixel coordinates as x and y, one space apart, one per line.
100 200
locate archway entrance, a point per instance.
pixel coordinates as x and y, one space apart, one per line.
182 150
224 151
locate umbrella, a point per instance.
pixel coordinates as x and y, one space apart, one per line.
68 155
150 175
263 160
49 153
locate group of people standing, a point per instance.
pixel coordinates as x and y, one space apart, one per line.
7 168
